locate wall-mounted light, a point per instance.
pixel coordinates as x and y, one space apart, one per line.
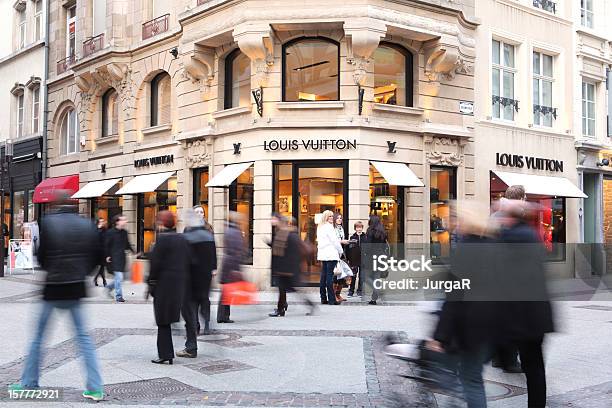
603 162
174 52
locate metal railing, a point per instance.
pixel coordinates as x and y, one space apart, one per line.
156 26
93 45
64 64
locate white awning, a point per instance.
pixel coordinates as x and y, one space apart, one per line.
398 174
95 188
541 185
229 173
145 184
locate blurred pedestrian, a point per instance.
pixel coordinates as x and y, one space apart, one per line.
376 239
167 282
199 210
101 225
203 261
329 250
68 253
117 243
353 255
287 254
231 264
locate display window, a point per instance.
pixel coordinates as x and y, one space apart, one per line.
200 191
303 190
547 218
108 205
149 205
442 192
241 201
387 203
6 219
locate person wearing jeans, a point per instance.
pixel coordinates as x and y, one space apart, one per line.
117 243
329 250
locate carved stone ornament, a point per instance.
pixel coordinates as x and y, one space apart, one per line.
444 151
199 68
256 42
197 153
442 61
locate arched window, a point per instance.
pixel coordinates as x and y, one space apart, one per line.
392 75
237 80
69 132
160 99
311 70
110 113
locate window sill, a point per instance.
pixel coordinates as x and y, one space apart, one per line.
156 129
231 112
107 140
405 110
311 105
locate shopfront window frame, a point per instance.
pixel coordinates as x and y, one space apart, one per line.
284 64
453 194
408 71
197 189
401 202
232 197
140 224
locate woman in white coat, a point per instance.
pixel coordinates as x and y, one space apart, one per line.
329 250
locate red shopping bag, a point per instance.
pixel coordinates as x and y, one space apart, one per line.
239 293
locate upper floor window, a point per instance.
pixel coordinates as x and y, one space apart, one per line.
20 114
586 13
503 71
588 109
311 70
110 113
392 75
71 31
160 99
21 27
543 111
38 19
99 17
547 5
69 132
35 109
237 80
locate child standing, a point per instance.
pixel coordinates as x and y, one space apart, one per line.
354 258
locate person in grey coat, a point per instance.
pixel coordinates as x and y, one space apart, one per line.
231 264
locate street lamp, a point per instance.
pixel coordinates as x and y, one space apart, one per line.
5 168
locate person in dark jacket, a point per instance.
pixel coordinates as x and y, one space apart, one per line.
203 261
167 282
231 264
376 239
68 252
353 256
102 225
117 243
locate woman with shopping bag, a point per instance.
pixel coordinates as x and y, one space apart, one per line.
231 266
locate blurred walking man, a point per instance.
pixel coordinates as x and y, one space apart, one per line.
116 244
68 252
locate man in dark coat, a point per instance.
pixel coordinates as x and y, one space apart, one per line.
231 264
117 243
203 257
102 225
68 252
167 281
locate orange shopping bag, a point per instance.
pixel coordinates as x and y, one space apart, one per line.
137 275
239 293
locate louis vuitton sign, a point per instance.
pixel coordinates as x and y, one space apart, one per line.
154 161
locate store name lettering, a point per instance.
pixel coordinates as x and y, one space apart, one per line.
533 163
154 161
326 144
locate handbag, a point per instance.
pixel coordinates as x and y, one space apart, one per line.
239 293
342 270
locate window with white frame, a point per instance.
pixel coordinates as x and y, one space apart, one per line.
69 132
38 20
588 108
35 109
543 111
503 72
586 13
21 35
99 17
71 32
20 113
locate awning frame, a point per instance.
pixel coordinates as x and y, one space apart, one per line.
416 183
212 179
93 183
130 185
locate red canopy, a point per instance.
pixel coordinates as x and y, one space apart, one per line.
46 191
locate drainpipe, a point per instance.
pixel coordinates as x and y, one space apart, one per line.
45 94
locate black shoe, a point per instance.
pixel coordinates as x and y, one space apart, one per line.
162 361
277 313
351 294
335 303
495 363
359 293
225 321
372 302
324 302
513 369
96 282
186 354
121 300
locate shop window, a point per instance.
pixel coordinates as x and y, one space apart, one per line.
110 113
200 191
35 109
241 201
160 99
69 132
311 70
543 111
108 205
6 219
19 206
503 72
237 80
588 109
442 191
386 202
149 205
392 75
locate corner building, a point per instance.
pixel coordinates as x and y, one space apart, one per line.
357 106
